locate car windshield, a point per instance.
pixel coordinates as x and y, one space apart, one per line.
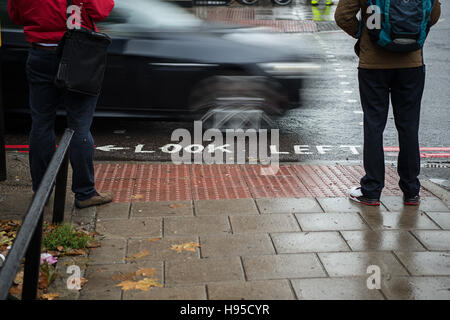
140 15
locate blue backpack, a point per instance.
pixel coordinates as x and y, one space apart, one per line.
404 24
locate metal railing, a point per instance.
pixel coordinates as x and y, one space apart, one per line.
28 240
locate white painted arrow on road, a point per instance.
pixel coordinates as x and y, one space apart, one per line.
110 147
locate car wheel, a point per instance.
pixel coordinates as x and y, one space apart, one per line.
237 102
282 2
249 2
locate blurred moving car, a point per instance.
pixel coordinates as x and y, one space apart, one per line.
165 63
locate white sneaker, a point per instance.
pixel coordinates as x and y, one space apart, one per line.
355 194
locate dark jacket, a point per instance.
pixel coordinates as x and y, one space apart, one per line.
372 56
45 21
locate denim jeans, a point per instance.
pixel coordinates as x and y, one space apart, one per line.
45 98
404 87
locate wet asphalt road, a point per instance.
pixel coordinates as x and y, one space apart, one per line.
329 124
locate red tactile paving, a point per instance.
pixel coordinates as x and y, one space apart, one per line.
168 182
247 16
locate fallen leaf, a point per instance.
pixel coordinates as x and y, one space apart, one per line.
176 205
127 285
83 281
93 244
50 296
138 255
153 239
75 252
19 278
190 246
147 283
60 248
123 276
137 196
147 272
16 290
143 284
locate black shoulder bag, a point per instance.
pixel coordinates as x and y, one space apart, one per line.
82 64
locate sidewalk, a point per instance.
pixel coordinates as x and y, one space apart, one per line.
226 232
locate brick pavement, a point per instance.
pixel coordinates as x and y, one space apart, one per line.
289 236
301 240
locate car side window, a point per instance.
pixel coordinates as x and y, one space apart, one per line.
4 17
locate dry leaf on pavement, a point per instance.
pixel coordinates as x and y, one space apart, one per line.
143 284
146 272
190 246
153 239
123 276
176 205
50 296
138 255
75 252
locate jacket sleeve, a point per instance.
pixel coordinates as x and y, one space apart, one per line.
345 16
436 12
99 10
14 12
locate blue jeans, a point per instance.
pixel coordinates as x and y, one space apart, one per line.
45 98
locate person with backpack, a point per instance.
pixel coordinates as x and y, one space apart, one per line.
45 23
390 37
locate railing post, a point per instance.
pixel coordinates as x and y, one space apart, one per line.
32 264
2 127
60 190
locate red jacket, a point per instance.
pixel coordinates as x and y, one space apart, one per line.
45 21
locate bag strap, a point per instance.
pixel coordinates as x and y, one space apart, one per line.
69 3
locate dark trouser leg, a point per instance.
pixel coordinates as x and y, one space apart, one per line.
374 92
80 112
44 99
406 95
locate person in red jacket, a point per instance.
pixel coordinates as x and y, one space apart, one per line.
44 23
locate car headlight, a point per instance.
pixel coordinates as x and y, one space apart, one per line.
290 68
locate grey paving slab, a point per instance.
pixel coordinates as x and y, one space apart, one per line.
178 226
283 266
264 223
131 228
162 208
251 290
331 221
102 280
300 242
441 218
382 240
395 203
225 207
288 205
161 249
202 271
177 293
112 250
417 288
236 245
346 205
344 264
399 220
113 211
335 289
426 263
434 240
